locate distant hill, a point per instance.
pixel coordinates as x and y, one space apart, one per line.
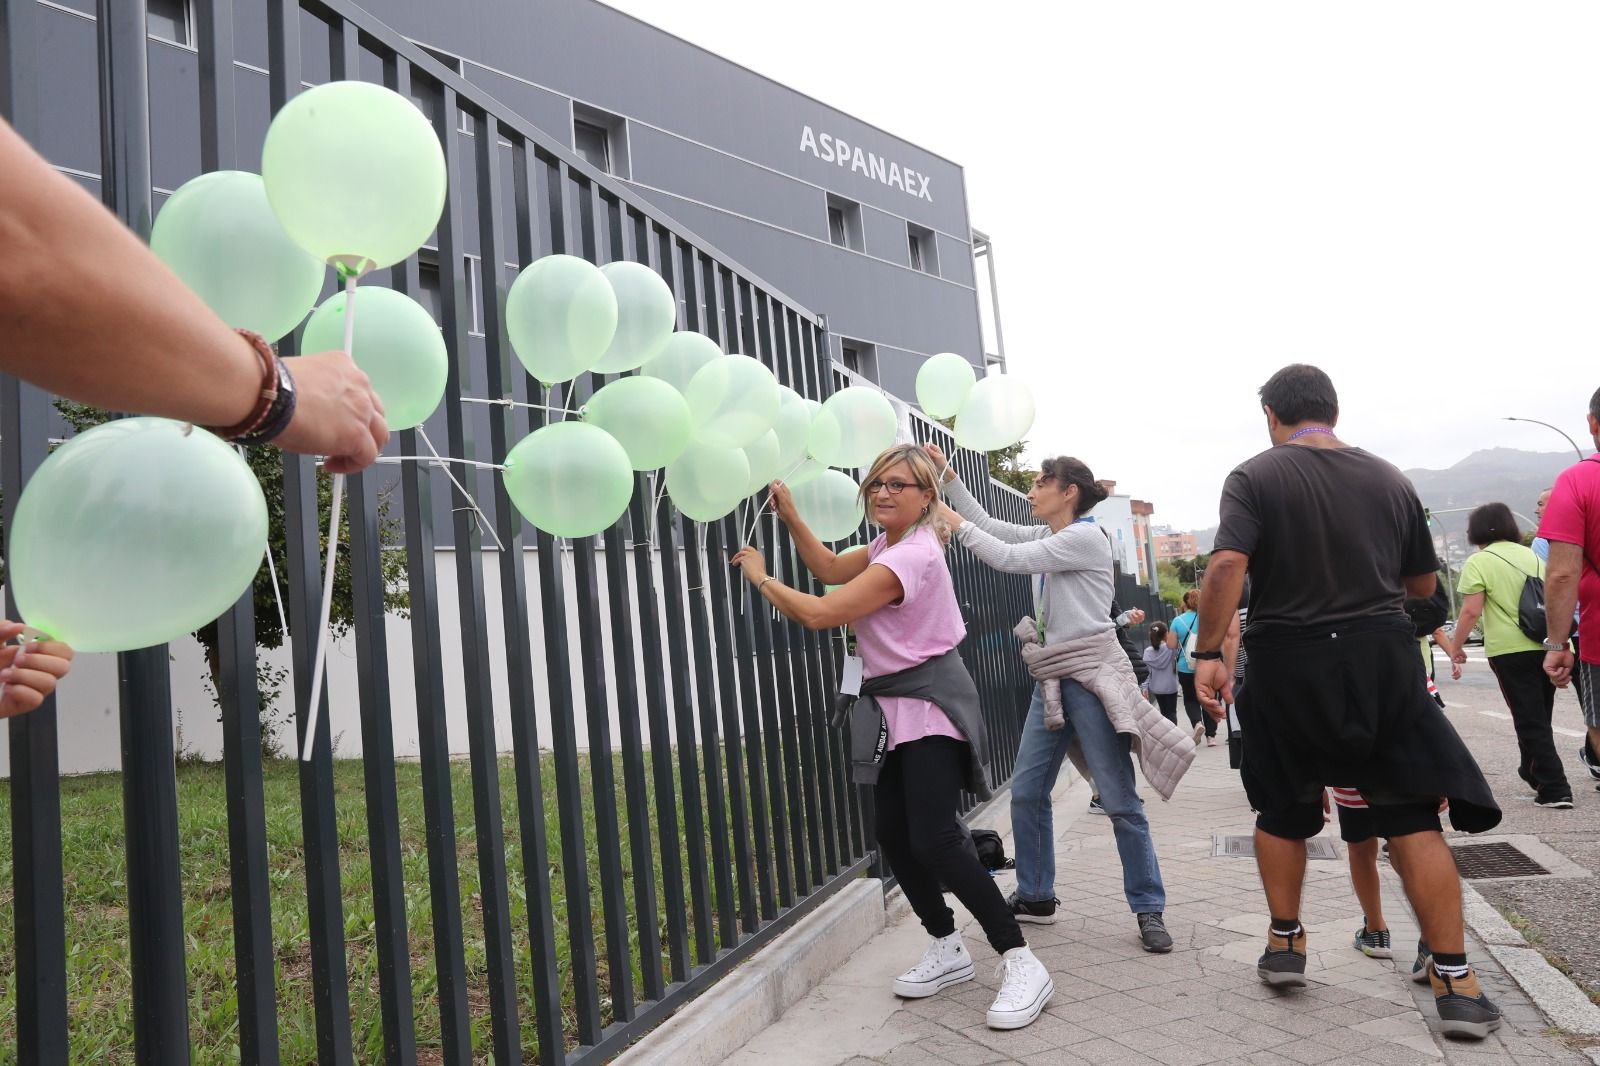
1506 475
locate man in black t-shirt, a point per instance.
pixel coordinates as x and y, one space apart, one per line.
1334 539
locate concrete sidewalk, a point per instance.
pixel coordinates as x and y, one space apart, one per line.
1115 1005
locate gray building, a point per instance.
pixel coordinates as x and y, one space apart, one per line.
855 223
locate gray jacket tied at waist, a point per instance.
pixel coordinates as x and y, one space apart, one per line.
942 681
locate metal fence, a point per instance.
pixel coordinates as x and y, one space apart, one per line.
730 778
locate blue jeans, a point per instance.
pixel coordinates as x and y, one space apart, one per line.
1107 753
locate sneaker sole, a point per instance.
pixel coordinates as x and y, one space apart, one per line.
1461 1030
1555 805
1156 949
1376 953
908 990
1419 977
1020 1018
1034 919
1281 978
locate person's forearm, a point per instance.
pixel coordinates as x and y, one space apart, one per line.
1561 588
1230 646
1468 618
88 312
816 556
1219 597
967 506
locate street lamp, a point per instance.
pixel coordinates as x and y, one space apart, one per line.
1535 421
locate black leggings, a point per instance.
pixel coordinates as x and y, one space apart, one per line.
920 833
1192 707
1530 697
1168 702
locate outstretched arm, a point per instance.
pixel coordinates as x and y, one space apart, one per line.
967 506
873 589
1055 553
87 311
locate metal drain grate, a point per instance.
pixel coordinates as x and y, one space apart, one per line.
1480 861
1245 847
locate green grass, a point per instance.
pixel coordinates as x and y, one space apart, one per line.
99 988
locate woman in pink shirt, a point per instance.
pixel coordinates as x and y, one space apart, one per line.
900 600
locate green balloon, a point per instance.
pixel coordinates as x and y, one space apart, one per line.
853 427
560 315
707 482
943 384
681 358
355 174
830 504
998 413
569 479
793 426
732 401
646 312
647 417
396 342
219 235
848 551
134 533
762 454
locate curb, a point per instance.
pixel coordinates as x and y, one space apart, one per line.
1553 992
728 1015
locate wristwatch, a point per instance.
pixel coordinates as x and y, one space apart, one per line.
1555 645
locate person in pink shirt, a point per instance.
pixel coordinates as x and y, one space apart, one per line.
1571 523
899 598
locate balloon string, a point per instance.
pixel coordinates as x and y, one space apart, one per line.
483 519
272 569
320 662
439 459
513 403
655 509
757 520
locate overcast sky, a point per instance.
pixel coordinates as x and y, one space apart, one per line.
1185 196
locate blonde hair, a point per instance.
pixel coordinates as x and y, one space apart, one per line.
927 477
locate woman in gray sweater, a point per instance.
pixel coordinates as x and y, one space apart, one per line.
1073 592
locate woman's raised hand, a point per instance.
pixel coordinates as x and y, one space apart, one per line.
782 502
936 453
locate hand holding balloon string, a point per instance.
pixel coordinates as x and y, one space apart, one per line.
29 668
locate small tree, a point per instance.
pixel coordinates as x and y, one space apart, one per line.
1006 467
266 463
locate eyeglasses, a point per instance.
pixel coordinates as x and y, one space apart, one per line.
895 487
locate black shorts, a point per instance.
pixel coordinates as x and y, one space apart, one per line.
1351 708
1357 824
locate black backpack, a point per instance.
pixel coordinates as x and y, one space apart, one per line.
991 850
1530 604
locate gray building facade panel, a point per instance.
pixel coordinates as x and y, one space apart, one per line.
712 143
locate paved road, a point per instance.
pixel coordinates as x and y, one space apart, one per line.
1117 1006
1560 913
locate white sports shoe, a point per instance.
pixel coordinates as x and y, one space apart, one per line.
945 963
1024 991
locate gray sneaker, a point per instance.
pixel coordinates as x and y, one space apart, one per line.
1283 964
1464 1011
1153 933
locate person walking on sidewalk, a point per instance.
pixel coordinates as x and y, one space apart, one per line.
1491 586
1571 526
927 740
1178 640
1162 662
1073 561
1334 540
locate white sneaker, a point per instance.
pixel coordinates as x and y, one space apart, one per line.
945 963
1024 991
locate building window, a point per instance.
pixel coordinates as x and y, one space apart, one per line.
170 20
593 145
844 223
859 358
923 249
600 139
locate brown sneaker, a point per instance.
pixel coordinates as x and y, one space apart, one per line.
1283 965
1464 1011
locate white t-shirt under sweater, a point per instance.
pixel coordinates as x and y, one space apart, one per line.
1075 563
